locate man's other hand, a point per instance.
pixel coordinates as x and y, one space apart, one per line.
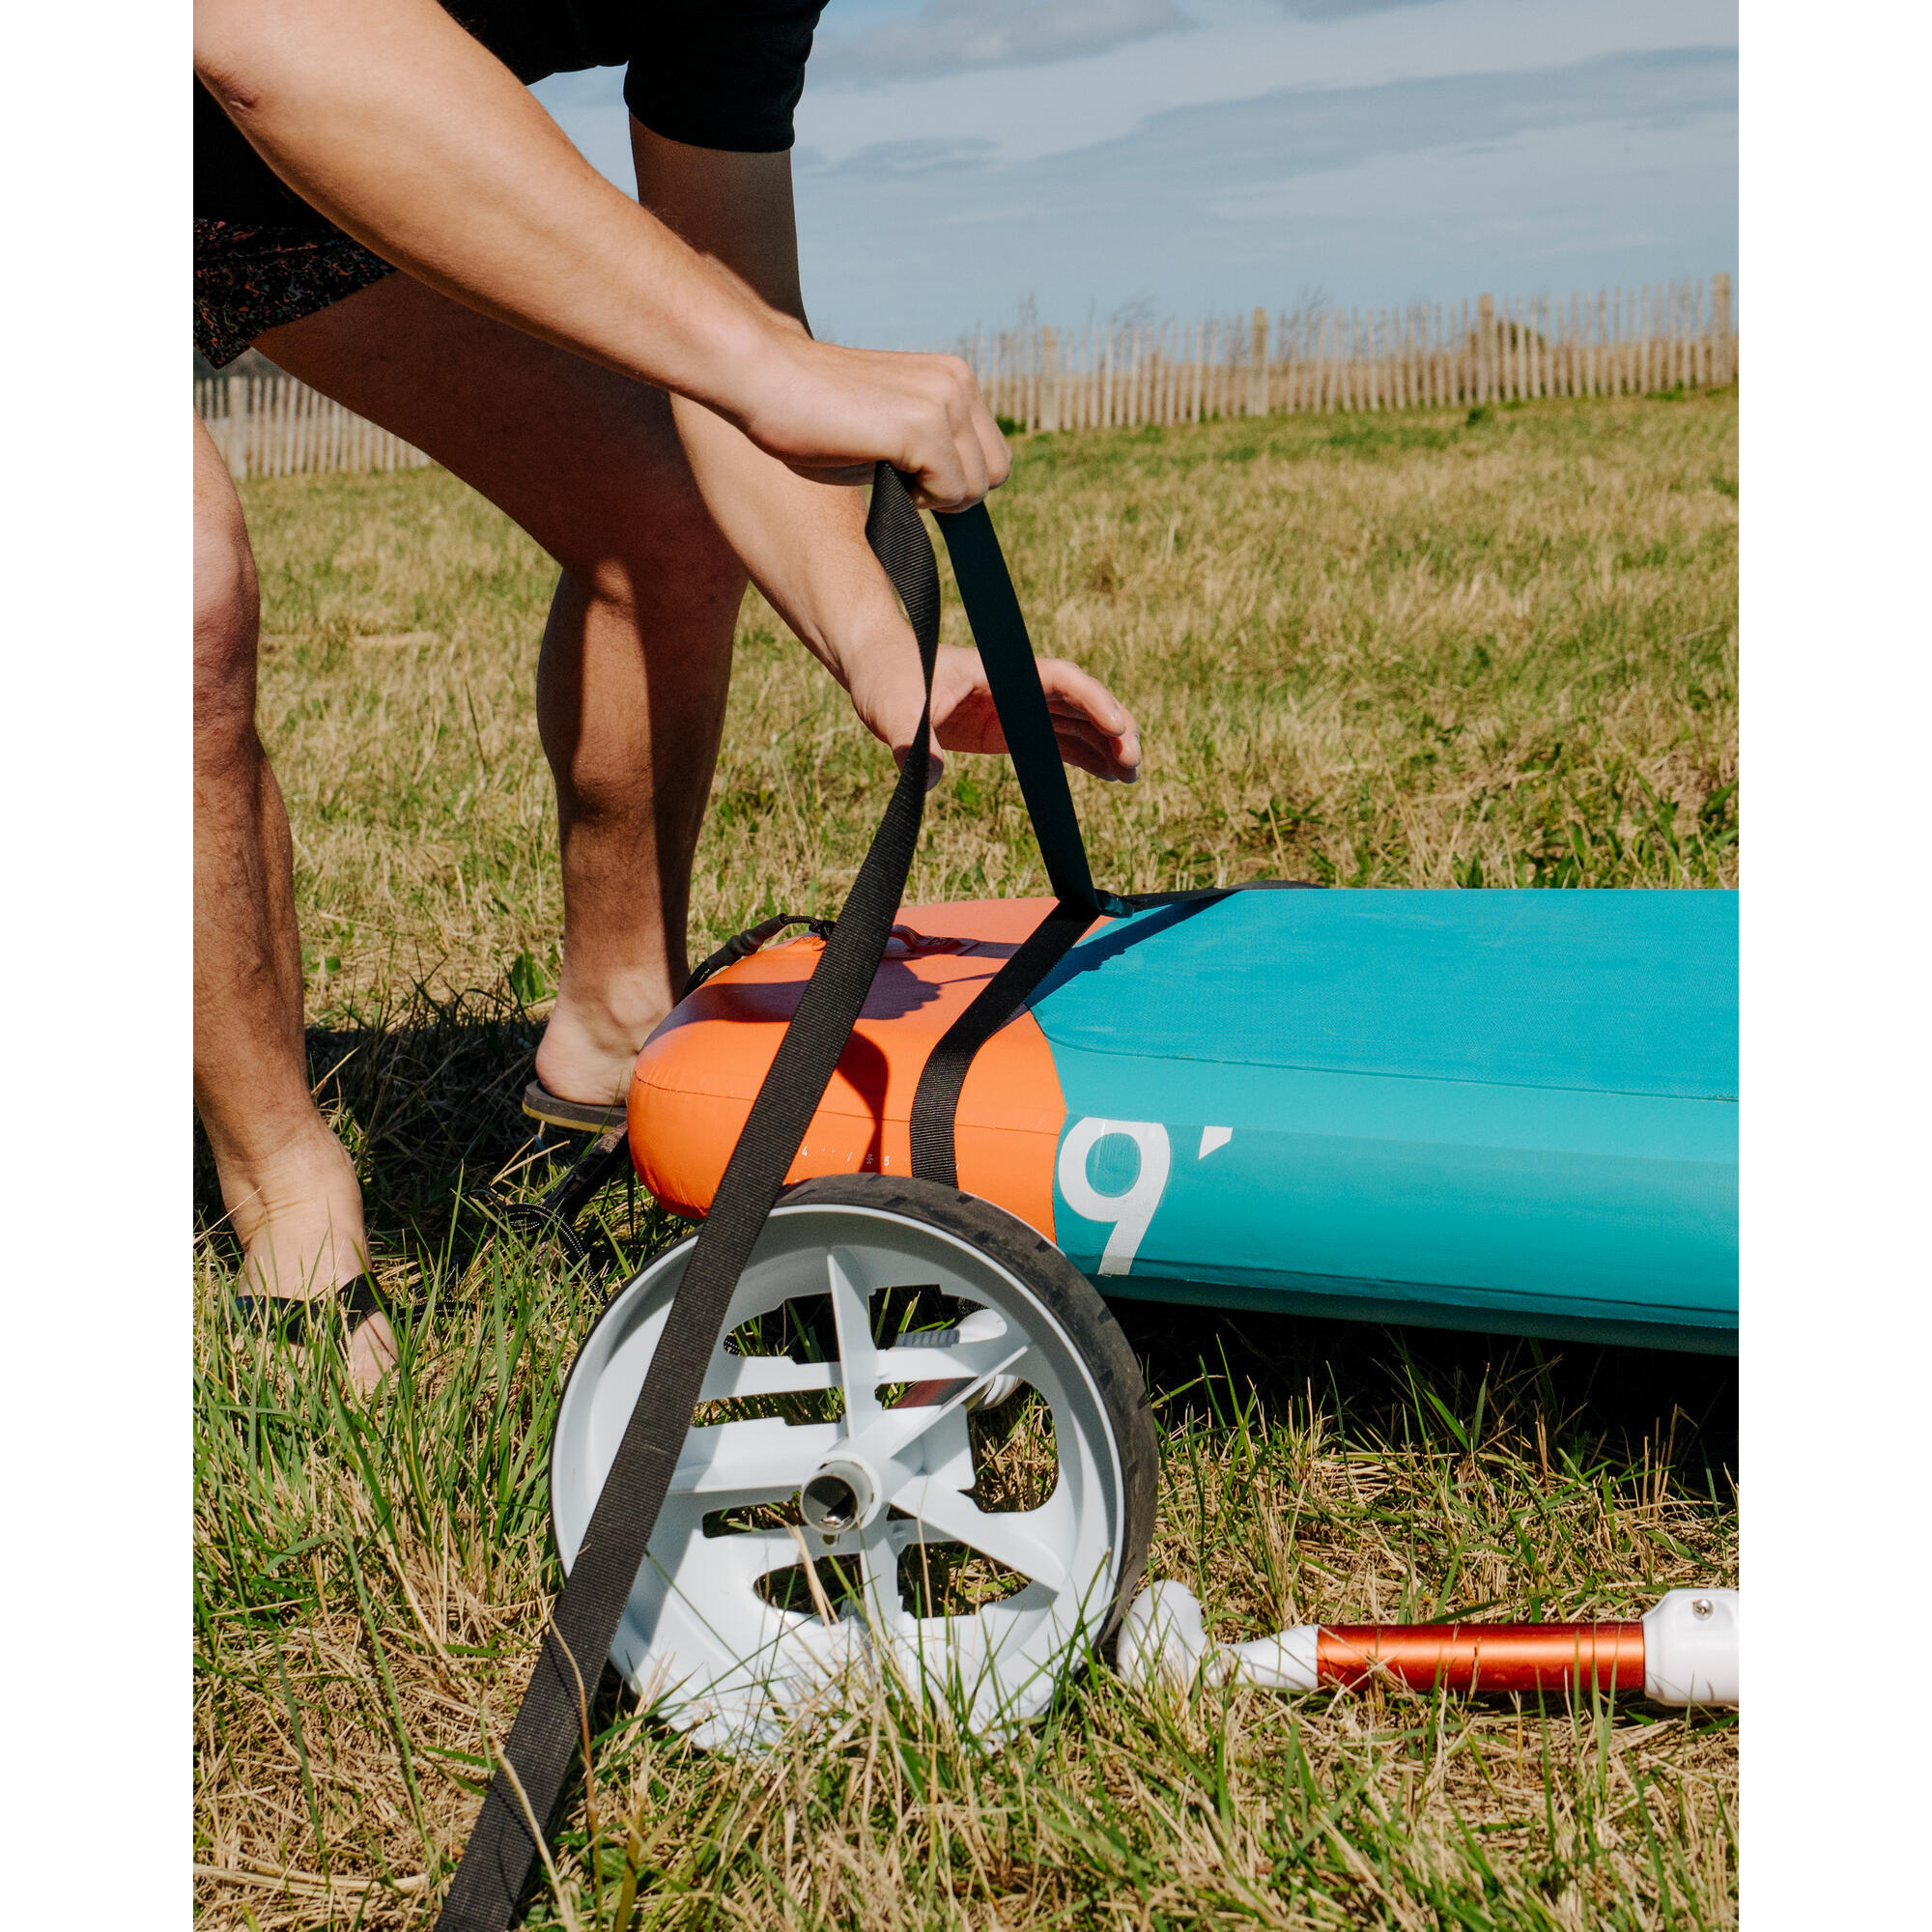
1095 730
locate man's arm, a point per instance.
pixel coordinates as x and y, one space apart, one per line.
403 129
803 539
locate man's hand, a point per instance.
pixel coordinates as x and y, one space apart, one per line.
1095 730
805 545
925 414
817 407
788 510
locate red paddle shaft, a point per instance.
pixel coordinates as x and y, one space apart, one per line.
1684 1652
1484 1657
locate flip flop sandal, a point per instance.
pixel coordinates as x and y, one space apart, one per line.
555 1214
302 1316
577 1117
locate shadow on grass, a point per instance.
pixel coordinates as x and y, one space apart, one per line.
1445 1390
426 1094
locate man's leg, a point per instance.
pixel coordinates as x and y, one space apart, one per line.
632 740
635 661
286 1181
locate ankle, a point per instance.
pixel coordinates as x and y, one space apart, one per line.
297 1214
594 1033
612 1011
289 1263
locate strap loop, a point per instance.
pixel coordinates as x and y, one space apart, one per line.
1006 651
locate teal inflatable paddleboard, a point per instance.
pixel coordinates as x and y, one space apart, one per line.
1502 1109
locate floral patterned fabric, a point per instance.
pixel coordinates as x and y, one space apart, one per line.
248 278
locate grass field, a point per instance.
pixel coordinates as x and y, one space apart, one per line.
1406 650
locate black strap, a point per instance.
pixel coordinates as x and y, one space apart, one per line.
304 1319
521 1795
542 1742
1012 676
935 1100
1013 673
993 610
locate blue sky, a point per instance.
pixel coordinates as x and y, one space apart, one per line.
1195 156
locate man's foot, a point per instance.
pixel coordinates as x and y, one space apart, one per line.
591 1040
300 1221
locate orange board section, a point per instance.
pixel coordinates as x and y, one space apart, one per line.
698 1074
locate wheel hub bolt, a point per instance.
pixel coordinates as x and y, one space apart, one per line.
830 1504
842 1495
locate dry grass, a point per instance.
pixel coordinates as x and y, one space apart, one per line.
1390 650
1379 651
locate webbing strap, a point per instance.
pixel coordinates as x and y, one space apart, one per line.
993 610
942 1080
935 1100
524 1791
543 1739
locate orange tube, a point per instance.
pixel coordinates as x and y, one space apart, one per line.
1484 1657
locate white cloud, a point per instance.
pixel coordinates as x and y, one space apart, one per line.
1340 9
1243 50
951 35
1437 148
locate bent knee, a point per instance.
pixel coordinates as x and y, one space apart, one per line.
227 599
227 617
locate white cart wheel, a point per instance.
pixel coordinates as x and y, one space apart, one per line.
958 1553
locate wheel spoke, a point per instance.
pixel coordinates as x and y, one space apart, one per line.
750 1459
750 1553
880 1561
946 1451
900 1428
1010 1538
857 1360
962 1361
735 1376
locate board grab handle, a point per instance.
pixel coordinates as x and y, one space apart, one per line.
1683 1651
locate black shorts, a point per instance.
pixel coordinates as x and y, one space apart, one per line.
713 74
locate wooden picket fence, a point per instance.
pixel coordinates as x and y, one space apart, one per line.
275 426
1616 343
